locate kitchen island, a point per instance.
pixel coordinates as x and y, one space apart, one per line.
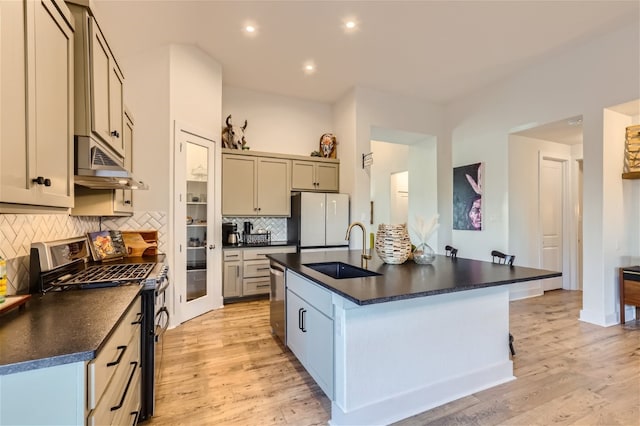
389 346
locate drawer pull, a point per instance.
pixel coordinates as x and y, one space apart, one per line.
126 389
263 285
135 415
139 317
231 255
263 269
123 349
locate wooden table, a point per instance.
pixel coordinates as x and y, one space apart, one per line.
629 289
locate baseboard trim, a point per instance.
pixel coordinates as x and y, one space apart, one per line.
410 403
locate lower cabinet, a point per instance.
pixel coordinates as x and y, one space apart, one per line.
310 329
113 382
103 391
245 271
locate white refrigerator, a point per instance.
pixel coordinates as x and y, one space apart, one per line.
318 220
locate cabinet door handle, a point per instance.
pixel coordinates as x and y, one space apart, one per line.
139 316
41 181
122 350
127 202
115 133
237 271
135 415
300 318
126 389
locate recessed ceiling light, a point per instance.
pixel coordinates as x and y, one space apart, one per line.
250 28
350 25
309 67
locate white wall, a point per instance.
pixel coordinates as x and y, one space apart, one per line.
582 81
147 96
277 123
378 109
163 85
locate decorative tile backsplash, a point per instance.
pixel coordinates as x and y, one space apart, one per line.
18 231
277 225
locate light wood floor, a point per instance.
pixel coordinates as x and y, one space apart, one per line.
225 368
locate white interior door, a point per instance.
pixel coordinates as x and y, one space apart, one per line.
580 209
551 198
399 188
197 274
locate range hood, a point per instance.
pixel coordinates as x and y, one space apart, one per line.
96 167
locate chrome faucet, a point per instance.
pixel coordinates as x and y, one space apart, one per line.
364 257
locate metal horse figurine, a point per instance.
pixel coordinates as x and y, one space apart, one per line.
233 137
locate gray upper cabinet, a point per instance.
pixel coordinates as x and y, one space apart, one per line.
320 175
99 83
36 104
255 185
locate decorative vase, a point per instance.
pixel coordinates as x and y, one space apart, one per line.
424 254
393 244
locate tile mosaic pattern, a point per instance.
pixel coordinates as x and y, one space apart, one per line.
18 231
277 225
141 221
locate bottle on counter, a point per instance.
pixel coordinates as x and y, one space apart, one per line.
3 279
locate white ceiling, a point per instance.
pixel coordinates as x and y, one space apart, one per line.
434 50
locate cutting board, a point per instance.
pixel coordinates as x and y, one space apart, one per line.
11 302
136 245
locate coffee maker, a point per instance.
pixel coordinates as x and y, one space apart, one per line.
229 233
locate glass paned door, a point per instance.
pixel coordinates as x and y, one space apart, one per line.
197 260
196 201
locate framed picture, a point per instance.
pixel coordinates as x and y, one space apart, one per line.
467 197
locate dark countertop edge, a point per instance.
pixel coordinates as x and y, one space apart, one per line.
271 244
414 295
53 361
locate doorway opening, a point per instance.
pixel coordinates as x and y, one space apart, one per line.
544 222
409 161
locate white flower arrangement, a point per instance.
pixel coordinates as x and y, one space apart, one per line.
424 230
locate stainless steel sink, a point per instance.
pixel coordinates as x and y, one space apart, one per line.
340 270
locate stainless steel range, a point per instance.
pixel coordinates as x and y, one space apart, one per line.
64 265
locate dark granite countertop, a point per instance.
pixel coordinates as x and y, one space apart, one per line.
61 327
409 280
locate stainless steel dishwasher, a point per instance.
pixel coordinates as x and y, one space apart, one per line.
277 302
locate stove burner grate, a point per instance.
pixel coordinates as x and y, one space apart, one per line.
111 273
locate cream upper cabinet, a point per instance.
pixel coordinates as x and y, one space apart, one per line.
238 185
36 103
99 84
255 186
124 197
307 175
274 191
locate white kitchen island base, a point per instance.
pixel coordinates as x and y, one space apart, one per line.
397 359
